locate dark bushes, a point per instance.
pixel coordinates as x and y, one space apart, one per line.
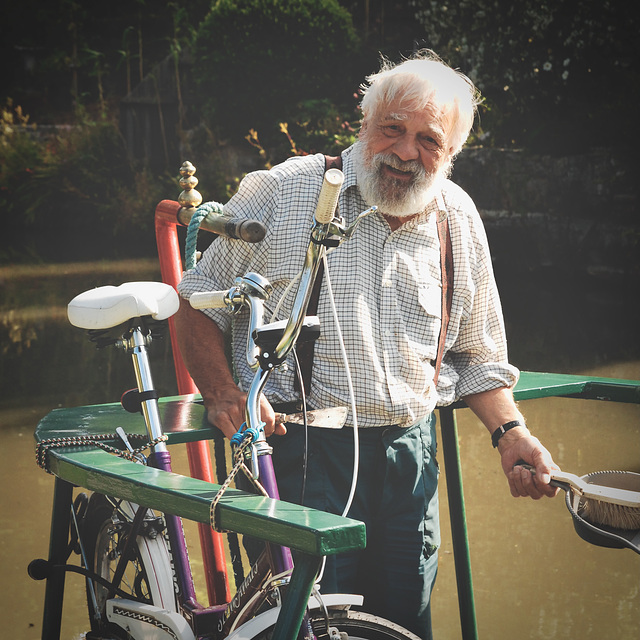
255 61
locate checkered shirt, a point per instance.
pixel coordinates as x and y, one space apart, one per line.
387 288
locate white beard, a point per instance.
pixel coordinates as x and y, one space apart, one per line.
395 198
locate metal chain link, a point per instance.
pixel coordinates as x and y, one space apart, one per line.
239 465
97 440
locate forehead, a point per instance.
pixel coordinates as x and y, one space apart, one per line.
427 117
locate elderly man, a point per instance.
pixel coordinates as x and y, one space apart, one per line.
387 284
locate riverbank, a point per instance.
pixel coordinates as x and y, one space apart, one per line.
44 357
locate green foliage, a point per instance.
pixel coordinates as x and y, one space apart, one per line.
557 75
320 127
256 61
20 157
73 195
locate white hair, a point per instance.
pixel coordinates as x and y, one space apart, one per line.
422 81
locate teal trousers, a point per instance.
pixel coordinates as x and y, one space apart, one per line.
396 498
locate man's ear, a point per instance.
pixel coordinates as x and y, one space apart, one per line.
363 129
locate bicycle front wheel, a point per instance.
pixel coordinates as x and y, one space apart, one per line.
147 576
357 625
362 626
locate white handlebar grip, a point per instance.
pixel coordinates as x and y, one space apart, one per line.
328 198
208 300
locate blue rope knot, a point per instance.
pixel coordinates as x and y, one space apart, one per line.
192 231
243 434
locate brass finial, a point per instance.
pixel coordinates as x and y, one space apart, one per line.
189 198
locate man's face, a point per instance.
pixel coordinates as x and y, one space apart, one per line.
404 153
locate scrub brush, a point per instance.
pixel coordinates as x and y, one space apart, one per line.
600 505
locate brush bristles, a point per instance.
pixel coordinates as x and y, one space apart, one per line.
611 515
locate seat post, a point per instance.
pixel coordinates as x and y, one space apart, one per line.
138 347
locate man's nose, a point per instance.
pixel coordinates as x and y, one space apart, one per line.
406 148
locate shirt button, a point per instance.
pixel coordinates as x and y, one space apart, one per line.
387 332
387 283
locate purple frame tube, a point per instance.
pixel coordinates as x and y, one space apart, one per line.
281 556
162 460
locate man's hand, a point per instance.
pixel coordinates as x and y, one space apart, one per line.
519 445
202 346
226 411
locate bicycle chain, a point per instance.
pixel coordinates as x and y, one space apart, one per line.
43 447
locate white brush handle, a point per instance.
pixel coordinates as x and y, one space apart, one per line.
622 497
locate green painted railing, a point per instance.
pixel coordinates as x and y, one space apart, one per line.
311 532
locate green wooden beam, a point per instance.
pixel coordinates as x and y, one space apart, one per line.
307 530
184 420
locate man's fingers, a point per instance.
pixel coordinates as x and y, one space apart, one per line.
540 477
525 483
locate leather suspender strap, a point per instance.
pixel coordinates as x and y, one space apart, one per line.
446 270
332 162
305 351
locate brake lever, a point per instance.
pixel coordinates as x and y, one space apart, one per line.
350 230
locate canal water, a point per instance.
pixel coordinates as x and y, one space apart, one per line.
533 577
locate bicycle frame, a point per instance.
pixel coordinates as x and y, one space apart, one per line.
269 573
276 560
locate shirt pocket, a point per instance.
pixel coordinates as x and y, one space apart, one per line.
430 299
422 321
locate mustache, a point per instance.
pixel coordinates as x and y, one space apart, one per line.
409 166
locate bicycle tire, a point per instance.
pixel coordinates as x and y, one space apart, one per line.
358 625
148 575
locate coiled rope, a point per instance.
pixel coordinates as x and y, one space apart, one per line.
190 248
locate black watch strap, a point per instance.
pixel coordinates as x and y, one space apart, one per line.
500 431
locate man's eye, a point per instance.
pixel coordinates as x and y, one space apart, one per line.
392 130
430 142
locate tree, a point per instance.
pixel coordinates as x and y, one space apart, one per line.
255 61
556 75
73 50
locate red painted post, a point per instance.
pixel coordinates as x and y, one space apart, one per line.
166 221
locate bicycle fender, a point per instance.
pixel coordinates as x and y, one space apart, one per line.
144 620
267 619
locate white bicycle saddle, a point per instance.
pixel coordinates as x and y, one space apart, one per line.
109 306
